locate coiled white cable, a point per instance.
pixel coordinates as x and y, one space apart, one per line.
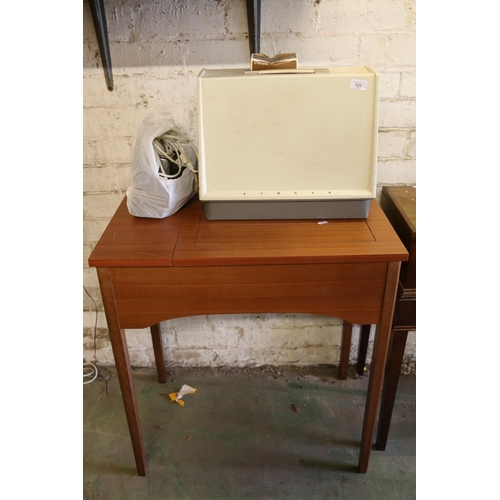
92 373
176 148
90 369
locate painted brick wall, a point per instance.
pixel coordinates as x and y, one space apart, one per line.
157 51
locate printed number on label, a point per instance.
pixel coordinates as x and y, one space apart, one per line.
359 85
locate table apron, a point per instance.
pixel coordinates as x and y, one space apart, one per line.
350 291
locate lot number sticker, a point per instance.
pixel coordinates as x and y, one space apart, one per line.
359 85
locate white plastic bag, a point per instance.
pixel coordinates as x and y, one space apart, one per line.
152 195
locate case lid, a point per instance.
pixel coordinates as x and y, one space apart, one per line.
304 135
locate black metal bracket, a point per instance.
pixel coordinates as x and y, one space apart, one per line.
101 31
253 14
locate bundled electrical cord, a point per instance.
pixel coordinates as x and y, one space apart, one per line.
90 370
176 153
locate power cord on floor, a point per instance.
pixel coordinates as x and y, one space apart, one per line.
90 370
94 372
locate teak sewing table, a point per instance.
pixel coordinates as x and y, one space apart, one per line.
151 270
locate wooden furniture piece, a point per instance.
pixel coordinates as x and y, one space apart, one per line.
399 205
345 349
152 270
98 12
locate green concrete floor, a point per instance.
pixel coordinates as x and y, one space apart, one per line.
263 433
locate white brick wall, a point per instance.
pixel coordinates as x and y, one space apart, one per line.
157 51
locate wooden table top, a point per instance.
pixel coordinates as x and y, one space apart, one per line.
187 238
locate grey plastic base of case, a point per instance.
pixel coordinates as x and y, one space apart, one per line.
258 210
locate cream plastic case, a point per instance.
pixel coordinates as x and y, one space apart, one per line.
306 135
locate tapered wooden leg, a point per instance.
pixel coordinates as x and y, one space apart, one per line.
345 348
392 372
158 350
364 337
379 357
122 361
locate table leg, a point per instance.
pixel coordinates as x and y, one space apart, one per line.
158 351
124 371
345 348
364 337
379 357
392 373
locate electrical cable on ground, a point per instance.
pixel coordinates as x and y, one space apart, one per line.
90 370
92 373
